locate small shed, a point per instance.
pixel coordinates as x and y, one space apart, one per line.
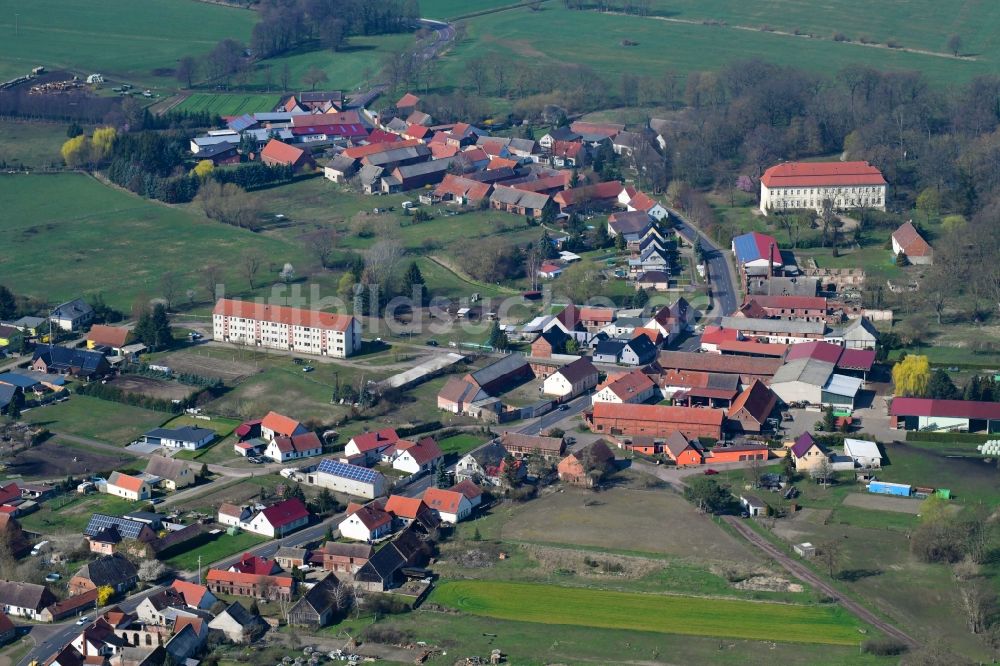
805 549
753 505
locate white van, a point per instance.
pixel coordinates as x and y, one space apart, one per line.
407 205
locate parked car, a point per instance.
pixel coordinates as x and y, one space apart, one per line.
307 368
84 619
52 577
432 343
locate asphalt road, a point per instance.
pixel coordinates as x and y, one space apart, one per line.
724 293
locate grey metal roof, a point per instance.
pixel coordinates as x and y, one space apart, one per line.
505 366
341 163
806 370
370 173
776 326
398 155
73 309
423 168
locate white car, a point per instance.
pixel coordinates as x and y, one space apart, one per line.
83 620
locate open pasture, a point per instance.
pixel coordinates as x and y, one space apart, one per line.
114 37
550 604
228 104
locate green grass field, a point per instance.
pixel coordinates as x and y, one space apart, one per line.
101 420
213 551
550 604
114 37
95 239
71 513
223 427
32 144
228 104
526 38
461 444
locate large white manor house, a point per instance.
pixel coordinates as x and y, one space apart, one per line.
804 185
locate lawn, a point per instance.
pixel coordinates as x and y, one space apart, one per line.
71 513
222 426
536 644
970 479
461 444
450 9
550 604
114 37
228 104
220 548
90 232
525 39
92 418
32 144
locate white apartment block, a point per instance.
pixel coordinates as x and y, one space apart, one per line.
290 329
805 185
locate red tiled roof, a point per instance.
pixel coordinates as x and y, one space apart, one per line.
381 136
326 119
493 147
571 149
282 153
659 413
457 186
959 409
371 516
112 336
353 130
357 152
467 488
308 441
417 131
447 501
910 240
715 335
654 335
818 174
642 201
286 512
818 350
742 365
220 576
547 183
131 483
627 385
442 150
280 424
192 592
757 399
753 348
282 314
404 507
606 315
254 564
409 99
857 359
9 492
422 451
377 439
500 163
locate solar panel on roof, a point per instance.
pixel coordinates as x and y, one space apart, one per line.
128 529
352 472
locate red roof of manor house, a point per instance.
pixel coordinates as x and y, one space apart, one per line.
280 314
818 174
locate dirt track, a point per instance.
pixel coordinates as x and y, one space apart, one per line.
804 574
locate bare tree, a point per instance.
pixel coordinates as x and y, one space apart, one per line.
322 243
187 68
829 554
313 76
169 284
286 77
955 44
823 472
381 260
211 276
251 261
978 604
475 68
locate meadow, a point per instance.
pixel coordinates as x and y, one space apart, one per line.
524 37
550 604
536 644
93 418
31 144
71 513
114 37
69 235
217 549
228 104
